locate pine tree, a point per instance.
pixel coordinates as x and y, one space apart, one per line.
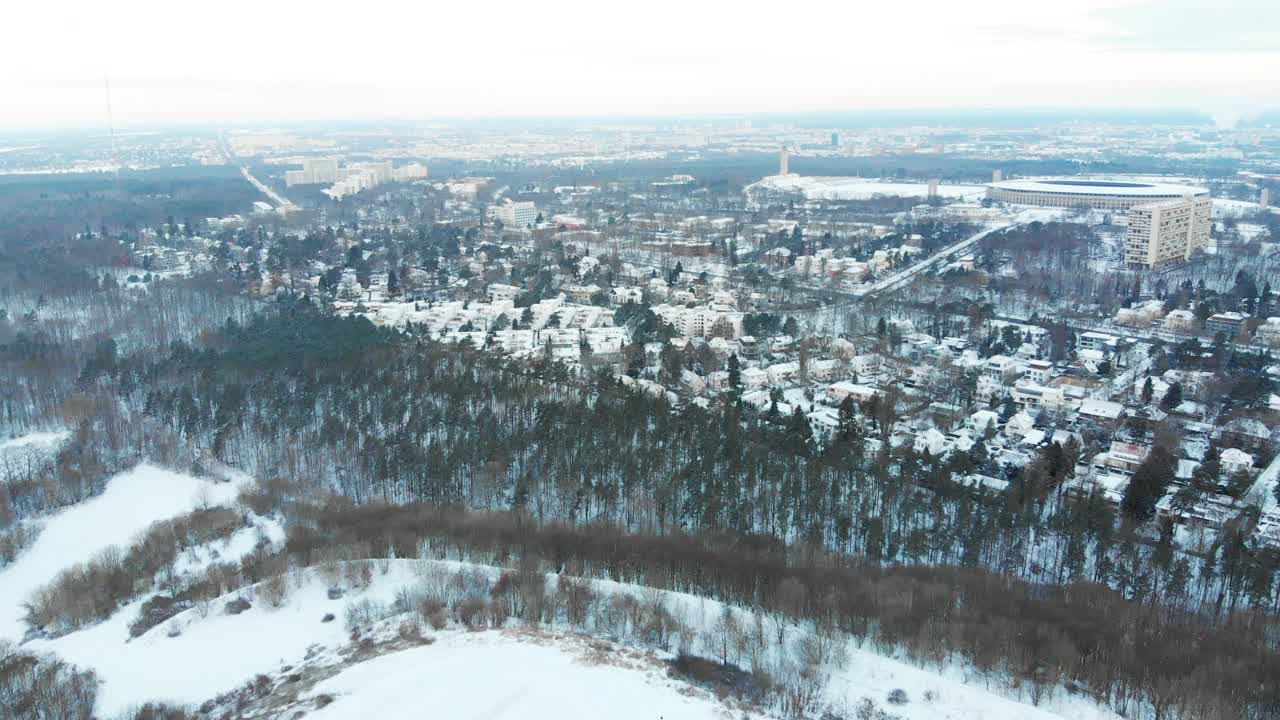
735 376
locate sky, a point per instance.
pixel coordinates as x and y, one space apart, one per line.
265 61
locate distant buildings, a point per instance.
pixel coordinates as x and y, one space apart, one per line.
352 178
513 214
1226 322
1168 231
315 171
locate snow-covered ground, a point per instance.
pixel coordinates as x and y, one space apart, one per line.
1226 207
25 454
132 501
34 440
194 657
204 652
855 188
506 675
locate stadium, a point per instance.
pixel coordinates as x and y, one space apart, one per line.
1085 192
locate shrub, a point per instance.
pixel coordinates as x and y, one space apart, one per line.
898 697
275 591
432 611
33 686
155 611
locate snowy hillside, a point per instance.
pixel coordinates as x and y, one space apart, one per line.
352 640
131 502
508 674
24 453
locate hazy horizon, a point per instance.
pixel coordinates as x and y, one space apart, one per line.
243 63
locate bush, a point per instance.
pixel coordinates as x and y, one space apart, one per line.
275 591
237 606
411 631
33 686
898 697
432 611
160 711
155 611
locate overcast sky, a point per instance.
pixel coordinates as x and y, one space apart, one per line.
234 61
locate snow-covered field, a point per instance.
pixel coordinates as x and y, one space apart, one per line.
855 188
514 672
131 502
192 658
34 440
26 453
506 675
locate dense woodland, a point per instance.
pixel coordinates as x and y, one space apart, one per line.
339 405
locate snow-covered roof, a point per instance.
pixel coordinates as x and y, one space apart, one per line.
1086 187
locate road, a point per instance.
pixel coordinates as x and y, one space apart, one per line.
280 201
900 277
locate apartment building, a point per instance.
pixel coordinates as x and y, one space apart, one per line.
1167 232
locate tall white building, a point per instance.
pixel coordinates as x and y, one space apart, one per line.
784 161
315 171
1264 199
514 214
1166 232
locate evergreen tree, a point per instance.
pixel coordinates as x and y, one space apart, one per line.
1148 485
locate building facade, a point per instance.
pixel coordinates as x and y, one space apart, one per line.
1167 232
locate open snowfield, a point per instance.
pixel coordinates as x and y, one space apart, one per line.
34 440
510 673
131 502
25 453
497 674
855 188
504 675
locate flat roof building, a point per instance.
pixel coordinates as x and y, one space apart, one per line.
1167 232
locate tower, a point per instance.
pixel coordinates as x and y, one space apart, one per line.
1264 198
784 161
933 188
997 175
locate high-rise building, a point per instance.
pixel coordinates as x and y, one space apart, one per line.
997 175
835 140
784 161
514 214
933 188
1166 232
1264 198
315 171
